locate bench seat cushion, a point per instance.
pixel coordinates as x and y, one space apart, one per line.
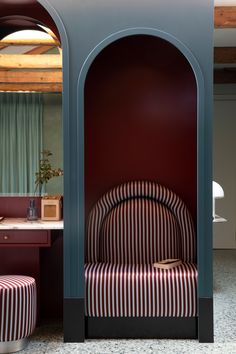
114 290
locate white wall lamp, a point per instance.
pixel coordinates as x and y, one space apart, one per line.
217 192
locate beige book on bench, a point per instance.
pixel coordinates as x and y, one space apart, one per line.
168 263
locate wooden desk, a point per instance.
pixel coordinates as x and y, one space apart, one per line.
23 233
21 245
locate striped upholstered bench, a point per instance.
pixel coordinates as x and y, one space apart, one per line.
130 228
17 311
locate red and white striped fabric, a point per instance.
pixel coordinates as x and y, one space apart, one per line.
17 307
137 216
139 231
114 290
130 228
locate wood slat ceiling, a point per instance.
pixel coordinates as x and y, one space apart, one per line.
45 70
37 61
31 41
31 71
225 17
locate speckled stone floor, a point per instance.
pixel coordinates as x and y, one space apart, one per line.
49 339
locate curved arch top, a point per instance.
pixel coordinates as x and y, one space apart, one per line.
60 26
143 31
18 13
19 23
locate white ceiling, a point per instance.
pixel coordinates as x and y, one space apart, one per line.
225 2
225 37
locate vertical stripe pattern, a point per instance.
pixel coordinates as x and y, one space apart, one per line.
131 227
122 290
139 231
124 207
17 307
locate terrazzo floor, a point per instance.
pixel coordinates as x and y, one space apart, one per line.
49 339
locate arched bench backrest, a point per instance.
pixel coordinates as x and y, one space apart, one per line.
140 222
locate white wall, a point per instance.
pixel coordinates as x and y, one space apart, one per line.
225 3
224 165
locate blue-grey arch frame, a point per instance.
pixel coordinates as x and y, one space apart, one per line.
71 255
73 127
204 178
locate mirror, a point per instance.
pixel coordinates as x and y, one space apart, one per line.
31 110
51 140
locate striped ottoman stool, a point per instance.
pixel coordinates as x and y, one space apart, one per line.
17 311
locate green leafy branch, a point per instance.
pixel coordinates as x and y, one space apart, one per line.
46 172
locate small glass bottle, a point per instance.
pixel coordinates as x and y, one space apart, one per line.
32 211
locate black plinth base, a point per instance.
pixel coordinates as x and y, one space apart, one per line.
141 327
205 325
73 320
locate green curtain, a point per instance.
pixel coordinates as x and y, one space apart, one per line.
21 124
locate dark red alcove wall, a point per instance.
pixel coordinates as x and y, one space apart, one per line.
16 207
141 119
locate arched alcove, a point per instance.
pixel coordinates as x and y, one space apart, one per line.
141 118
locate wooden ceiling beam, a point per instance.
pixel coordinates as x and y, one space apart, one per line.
30 41
225 76
30 77
224 55
2 46
39 50
225 16
46 87
50 81
18 61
